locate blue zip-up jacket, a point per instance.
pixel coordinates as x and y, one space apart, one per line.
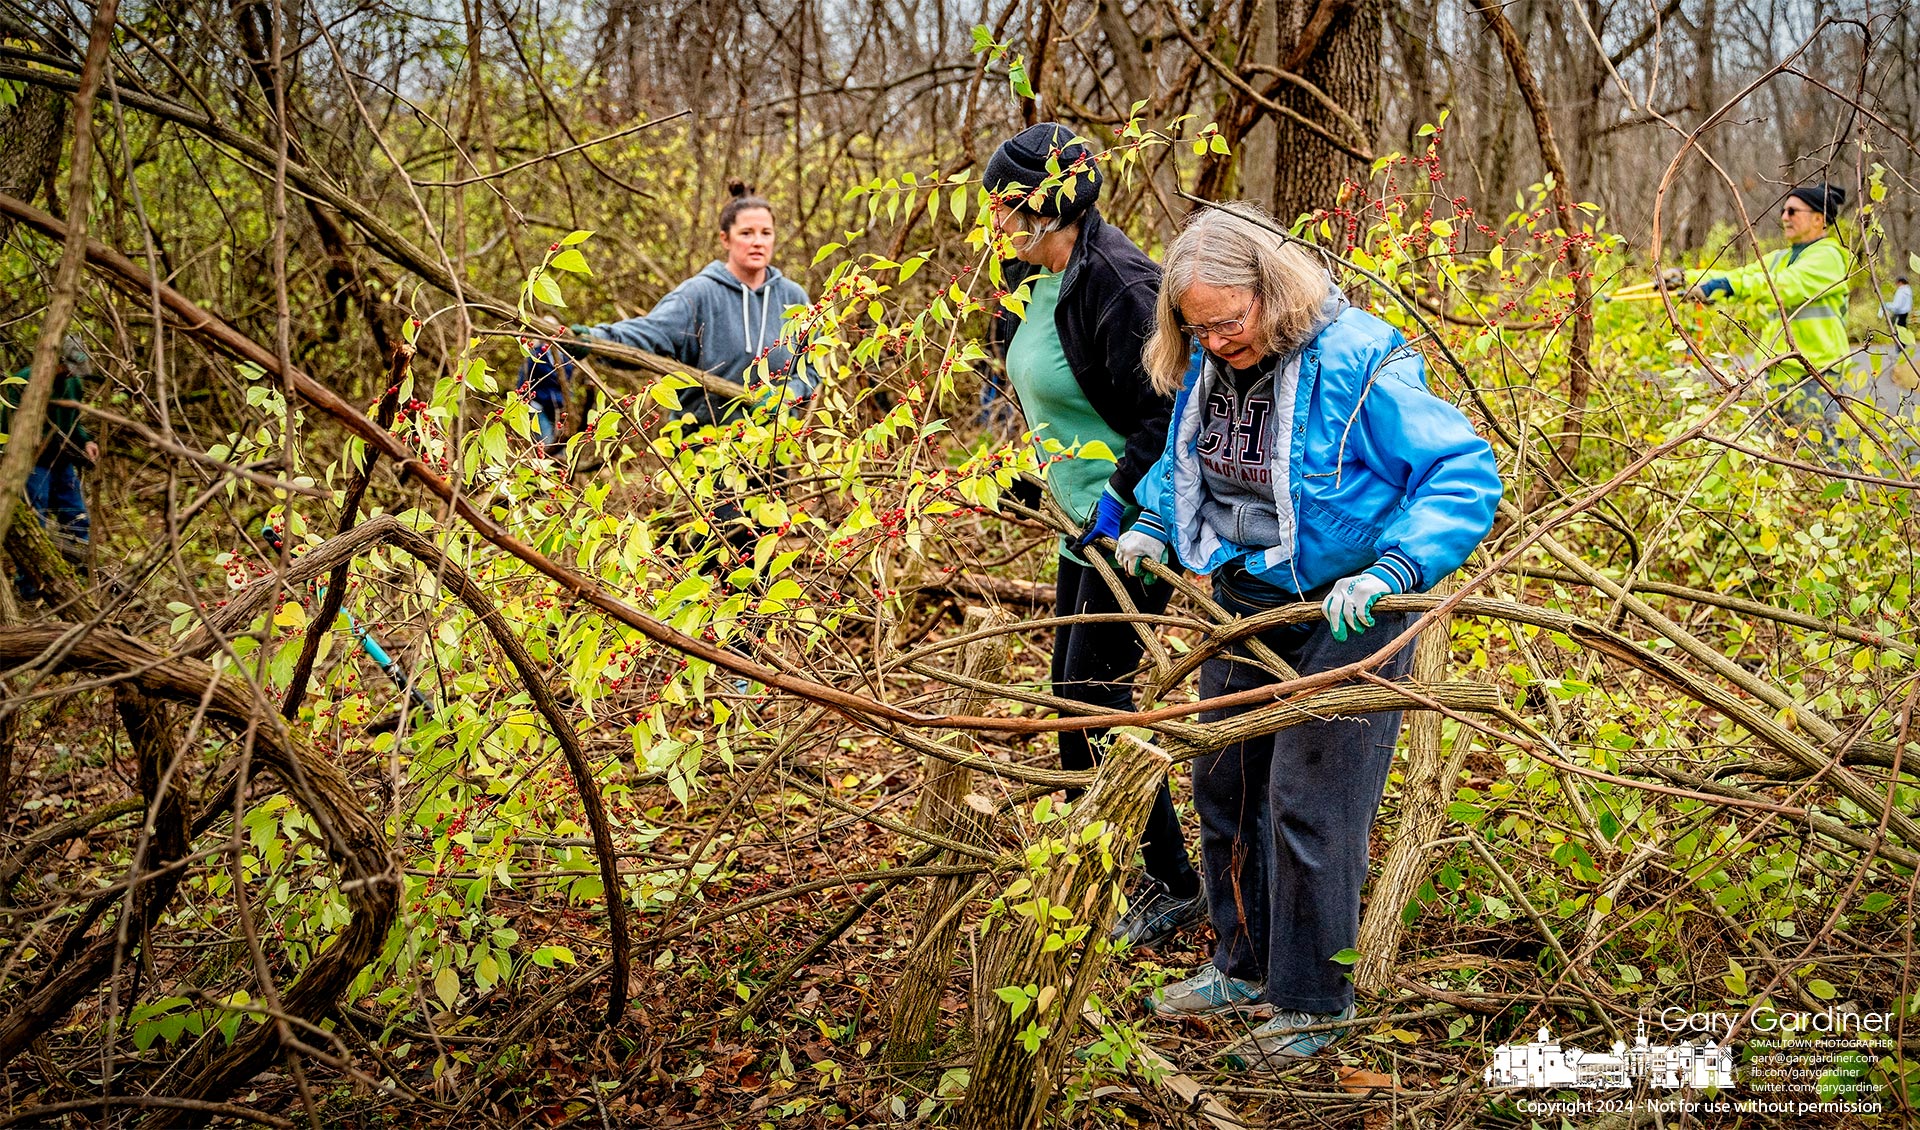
714 322
1381 473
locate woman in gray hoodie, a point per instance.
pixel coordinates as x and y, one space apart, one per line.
727 319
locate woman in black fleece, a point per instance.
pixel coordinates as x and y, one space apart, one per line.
1079 378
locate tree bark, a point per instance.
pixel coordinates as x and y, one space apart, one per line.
1426 787
1699 215
1414 25
30 132
23 443
1345 63
1257 141
1010 1083
1140 84
1579 269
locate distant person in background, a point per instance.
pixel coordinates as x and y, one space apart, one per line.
1810 276
66 447
543 381
726 320
1901 305
1074 363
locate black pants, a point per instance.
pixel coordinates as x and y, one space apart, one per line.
1094 663
1284 821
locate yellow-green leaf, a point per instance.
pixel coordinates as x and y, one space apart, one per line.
572 260
446 986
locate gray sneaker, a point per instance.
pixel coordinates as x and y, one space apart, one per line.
1206 993
1280 1043
1155 914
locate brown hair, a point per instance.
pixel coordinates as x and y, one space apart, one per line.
1235 245
743 200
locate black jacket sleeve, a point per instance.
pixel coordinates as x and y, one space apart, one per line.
1118 345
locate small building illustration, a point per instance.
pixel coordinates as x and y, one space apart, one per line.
1545 1063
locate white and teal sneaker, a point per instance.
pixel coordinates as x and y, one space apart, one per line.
1280 1042
1207 993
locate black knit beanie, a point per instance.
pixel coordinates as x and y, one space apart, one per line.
1022 160
1826 199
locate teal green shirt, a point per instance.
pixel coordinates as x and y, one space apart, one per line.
1056 408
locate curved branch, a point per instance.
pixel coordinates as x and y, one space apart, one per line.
352 838
35 1114
1246 90
333 556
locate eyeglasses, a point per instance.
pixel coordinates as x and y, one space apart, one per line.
1228 328
1796 211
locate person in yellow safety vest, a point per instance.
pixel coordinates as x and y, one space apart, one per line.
1811 278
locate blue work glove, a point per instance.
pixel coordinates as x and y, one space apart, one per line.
1106 520
1706 290
1349 607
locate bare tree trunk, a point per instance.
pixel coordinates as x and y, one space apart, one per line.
1137 76
1307 172
1592 77
1257 156
1699 215
1580 345
1496 142
23 446
30 132
1428 785
1414 24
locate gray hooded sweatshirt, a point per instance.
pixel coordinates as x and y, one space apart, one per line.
712 321
1246 440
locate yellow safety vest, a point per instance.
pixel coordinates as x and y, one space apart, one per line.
1811 280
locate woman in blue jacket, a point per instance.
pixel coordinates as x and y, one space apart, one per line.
1306 461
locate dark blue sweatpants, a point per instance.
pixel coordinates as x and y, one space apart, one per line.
1284 821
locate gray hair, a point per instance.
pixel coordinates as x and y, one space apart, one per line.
1237 246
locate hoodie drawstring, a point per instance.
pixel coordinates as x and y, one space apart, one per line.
759 340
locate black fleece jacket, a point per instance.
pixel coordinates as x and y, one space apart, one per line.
1105 316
